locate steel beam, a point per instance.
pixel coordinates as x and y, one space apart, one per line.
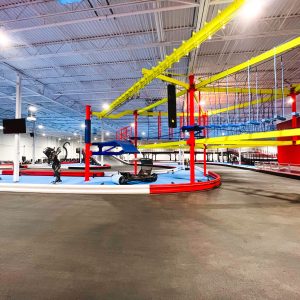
99 18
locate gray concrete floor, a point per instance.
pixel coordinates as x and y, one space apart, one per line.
241 241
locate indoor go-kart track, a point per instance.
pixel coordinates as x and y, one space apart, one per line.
171 179
239 241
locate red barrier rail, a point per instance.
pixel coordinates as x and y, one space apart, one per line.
187 187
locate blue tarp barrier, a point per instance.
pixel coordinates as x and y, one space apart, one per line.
192 128
127 148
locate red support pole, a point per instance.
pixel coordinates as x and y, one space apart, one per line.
205 147
191 140
293 96
187 109
87 143
294 109
204 161
135 139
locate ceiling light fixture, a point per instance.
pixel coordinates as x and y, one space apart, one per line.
4 39
251 9
105 106
31 118
32 108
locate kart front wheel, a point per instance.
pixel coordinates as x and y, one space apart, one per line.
122 180
153 177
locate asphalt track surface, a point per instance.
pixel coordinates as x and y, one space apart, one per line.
240 241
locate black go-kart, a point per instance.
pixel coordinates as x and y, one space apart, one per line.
144 175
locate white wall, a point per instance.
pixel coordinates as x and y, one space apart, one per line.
41 142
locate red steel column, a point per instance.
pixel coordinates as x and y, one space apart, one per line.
87 144
293 96
191 140
187 109
205 147
204 161
135 139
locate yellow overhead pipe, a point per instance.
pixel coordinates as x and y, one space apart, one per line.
251 136
257 59
252 145
168 79
253 61
232 107
233 90
223 139
187 46
252 142
179 114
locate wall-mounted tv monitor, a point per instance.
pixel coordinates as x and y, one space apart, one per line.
13 126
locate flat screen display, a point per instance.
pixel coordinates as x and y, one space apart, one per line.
13 126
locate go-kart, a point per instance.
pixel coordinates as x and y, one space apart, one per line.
145 174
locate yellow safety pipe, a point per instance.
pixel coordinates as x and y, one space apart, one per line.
251 136
254 145
187 46
222 139
253 61
233 90
179 114
168 79
257 59
251 142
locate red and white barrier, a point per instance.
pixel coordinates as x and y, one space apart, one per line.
112 189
